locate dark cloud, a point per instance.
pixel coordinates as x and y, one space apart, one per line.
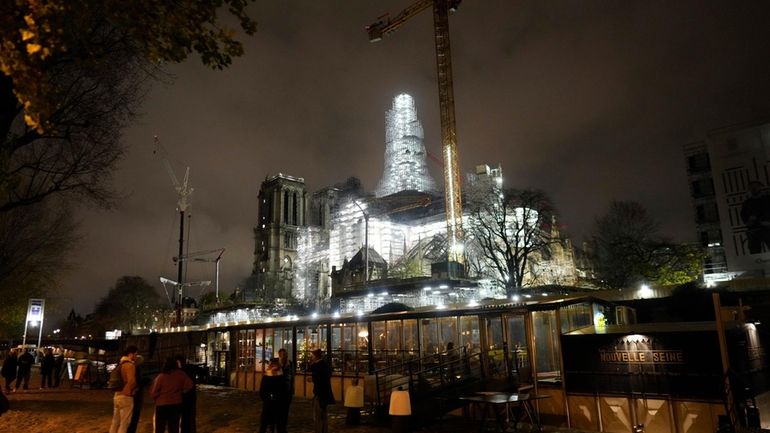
589 101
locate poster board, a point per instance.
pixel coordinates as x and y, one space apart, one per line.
82 374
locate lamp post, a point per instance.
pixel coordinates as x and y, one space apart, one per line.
366 240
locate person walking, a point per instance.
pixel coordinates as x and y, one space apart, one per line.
10 366
123 399
141 383
323 396
46 368
167 392
58 365
274 394
26 359
287 367
189 398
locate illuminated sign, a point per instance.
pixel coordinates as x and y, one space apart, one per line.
642 356
35 310
672 362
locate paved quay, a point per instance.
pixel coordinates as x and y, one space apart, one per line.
220 410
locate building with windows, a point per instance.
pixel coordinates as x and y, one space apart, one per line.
729 178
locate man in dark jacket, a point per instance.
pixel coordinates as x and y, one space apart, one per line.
287 367
189 398
321 376
58 365
46 368
141 384
274 394
25 369
9 369
5 405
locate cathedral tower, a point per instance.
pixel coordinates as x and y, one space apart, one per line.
282 204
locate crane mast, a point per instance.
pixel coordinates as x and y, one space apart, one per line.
184 192
452 187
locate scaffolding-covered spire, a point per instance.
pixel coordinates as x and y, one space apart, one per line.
405 166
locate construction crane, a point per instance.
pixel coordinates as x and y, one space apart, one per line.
180 289
452 192
184 192
197 257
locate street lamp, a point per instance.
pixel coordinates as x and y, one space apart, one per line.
366 239
645 291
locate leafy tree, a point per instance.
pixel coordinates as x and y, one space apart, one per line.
132 303
628 250
39 36
72 75
506 230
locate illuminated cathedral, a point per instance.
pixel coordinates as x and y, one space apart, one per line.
347 249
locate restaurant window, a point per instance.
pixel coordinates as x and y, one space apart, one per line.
448 331
409 329
379 344
270 350
349 348
337 347
469 334
518 352
259 350
246 349
494 347
308 339
546 344
575 316
394 343
282 339
436 333
430 340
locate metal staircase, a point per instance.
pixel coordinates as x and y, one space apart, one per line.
434 381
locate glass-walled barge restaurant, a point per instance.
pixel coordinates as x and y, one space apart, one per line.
600 370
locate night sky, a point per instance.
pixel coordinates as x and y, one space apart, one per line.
589 101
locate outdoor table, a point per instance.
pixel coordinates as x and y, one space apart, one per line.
504 404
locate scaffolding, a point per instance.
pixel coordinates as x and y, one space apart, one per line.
405 164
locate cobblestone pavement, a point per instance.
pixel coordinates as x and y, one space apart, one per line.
220 410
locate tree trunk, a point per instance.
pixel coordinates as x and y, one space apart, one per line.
9 106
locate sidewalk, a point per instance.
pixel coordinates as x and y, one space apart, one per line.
220 410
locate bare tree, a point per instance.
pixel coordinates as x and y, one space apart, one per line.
506 230
76 156
34 250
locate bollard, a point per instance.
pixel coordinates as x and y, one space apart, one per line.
400 411
354 401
